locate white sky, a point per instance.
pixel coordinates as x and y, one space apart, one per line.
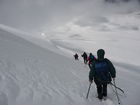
46 15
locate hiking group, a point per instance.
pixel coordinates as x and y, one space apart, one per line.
101 71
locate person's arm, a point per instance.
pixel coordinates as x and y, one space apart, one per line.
92 72
112 69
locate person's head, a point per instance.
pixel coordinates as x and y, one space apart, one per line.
90 54
100 54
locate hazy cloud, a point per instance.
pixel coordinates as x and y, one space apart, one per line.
39 15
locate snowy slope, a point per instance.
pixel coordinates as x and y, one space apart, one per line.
32 75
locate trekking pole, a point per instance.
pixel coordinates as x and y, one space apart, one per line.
116 92
88 90
117 87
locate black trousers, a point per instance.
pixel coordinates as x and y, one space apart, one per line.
101 89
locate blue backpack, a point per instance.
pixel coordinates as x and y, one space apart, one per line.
102 71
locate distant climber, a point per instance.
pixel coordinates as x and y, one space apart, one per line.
90 59
76 56
84 55
102 71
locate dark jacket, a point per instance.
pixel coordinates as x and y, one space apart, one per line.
84 55
92 73
111 72
91 58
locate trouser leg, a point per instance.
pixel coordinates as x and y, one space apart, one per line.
99 91
105 90
89 66
84 61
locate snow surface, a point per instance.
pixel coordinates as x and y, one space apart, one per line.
35 75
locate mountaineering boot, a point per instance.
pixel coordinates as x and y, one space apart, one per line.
104 98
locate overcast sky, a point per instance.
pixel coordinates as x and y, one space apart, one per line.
43 15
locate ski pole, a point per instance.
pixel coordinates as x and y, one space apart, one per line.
117 87
116 92
88 90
